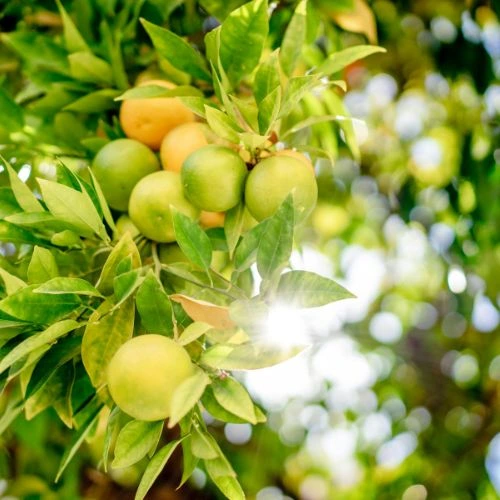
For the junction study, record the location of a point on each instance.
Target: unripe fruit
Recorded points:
(180, 142)
(270, 182)
(144, 374)
(292, 153)
(124, 225)
(118, 167)
(150, 203)
(213, 178)
(148, 120)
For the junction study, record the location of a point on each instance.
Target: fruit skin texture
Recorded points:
(150, 202)
(149, 120)
(270, 182)
(125, 225)
(297, 155)
(144, 374)
(118, 167)
(213, 178)
(180, 142)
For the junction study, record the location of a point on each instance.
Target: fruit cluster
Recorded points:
(202, 175)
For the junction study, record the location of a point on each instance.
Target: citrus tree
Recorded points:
(157, 169)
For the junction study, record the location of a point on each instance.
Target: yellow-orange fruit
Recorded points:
(211, 219)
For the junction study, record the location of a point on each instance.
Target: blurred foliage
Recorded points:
(401, 396)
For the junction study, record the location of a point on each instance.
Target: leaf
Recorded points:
(12, 234)
(14, 408)
(339, 60)
(42, 221)
(66, 239)
(306, 289)
(73, 207)
(42, 266)
(246, 251)
(269, 109)
(24, 197)
(73, 40)
(105, 333)
(294, 39)
(276, 244)
(125, 284)
(245, 27)
(200, 310)
(220, 9)
(187, 395)
(12, 283)
(221, 124)
(12, 113)
(248, 356)
(193, 241)
(87, 67)
(193, 331)
(77, 441)
(177, 51)
(233, 225)
(111, 430)
(77, 286)
(251, 315)
(359, 20)
(27, 305)
(124, 248)
(94, 102)
(216, 410)
(154, 468)
(229, 486)
(102, 200)
(189, 461)
(267, 77)
(203, 444)
(151, 91)
(134, 442)
(37, 340)
(232, 396)
(297, 88)
(62, 405)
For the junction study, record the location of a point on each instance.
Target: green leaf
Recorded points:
(233, 225)
(42, 221)
(294, 39)
(77, 286)
(12, 113)
(102, 201)
(74, 207)
(14, 408)
(94, 102)
(73, 40)
(124, 247)
(297, 88)
(105, 333)
(203, 445)
(219, 9)
(217, 411)
(246, 251)
(276, 244)
(151, 91)
(248, 356)
(222, 124)
(112, 428)
(42, 266)
(78, 440)
(12, 234)
(177, 51)
(193, 241)
(193, 331)
(63, 351)
(62, 405)
(189, 460)
(232, 396)
(267, 77)
(228, 485)
(87, 67)
(134, 442)
(154, 306)
(306, 289)
(269, 109)
(24, 197)
(154, 468)
(187, 395)
(340, 60)
(66, 239)
(37, 308)
(12, 283)
(37, 340)
(125, 284)
(247, 28)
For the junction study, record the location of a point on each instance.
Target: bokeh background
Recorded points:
(400, 395)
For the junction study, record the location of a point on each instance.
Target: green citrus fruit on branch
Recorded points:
(148, 120)
(213, 178)
(272, 179)
(119, 165)
(150, 203)
(144, 374)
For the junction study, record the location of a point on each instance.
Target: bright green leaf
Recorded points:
(232, 396)
(42, 266)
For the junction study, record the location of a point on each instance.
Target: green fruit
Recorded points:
(144, 374)
(151, 201)
(270, 182)
(119, 166)
(124, 225)
(213, 178)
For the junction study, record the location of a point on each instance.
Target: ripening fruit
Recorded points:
(211, 219)
(270, 182)
(149, 120)
(213, 178)
(150, 203)
(118, 167)
(144, 374)
(180, 142)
